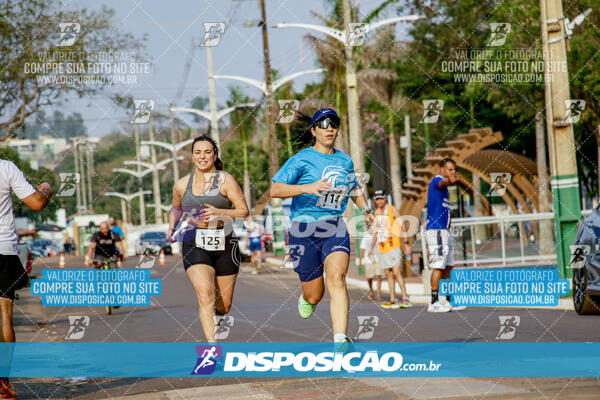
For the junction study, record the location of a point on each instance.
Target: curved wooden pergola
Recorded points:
(468, 150)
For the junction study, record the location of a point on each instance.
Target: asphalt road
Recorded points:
(265, 310)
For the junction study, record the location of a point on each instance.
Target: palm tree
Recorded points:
(243, 121)
(378, 82)
(330, 54)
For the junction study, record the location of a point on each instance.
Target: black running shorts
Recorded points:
(225, 262)
(11, 275)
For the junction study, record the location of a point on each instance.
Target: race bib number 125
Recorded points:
(210, 239)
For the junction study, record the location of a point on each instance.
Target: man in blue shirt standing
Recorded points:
(440, 244)
(113, 227)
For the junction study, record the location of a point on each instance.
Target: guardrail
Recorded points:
(476, 257)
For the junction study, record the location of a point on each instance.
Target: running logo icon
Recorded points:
(431, 111)
(293, 257)
(147, 260)
(69, 33)
(210, 188)
(498, 33)
(207, 359)
(68, 184)
(223, 325)
(573, 110)
(362, 179)
(508, 327)
(143, 108)
(212, 33)
(366, 326)
(357, 33)
(77, 326)
(499, 182)
(457, 231)
(579, 252)
(186, 222)
(287, 111)
(438, 254)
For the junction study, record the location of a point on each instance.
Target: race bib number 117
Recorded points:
(332, 199)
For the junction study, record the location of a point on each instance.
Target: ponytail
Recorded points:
(301, 136)
(219, 164)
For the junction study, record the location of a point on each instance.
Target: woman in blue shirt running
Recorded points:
(320, 179)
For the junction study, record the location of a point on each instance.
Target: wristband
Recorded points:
(366, 208)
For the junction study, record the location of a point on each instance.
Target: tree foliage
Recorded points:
(35, 177)
(29, 33)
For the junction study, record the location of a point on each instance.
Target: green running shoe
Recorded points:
(305, 308)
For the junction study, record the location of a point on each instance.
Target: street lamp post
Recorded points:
(276, 84)
(138, 175)
(164, 208)
(213, 117)
(155, 180)
(155, 167)
(262, 86)
(563, 157)
(174, 148)
(76, 163)
(126, 198)
(160, 165)
(351, 89)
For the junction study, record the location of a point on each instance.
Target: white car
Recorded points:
(240, 232)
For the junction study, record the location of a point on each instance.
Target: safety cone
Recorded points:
(51, 252)
(161, 258)
(61, 262)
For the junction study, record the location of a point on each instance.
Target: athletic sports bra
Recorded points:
(212, 196)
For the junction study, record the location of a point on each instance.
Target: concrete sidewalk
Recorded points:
(347, 388)
(418, 291)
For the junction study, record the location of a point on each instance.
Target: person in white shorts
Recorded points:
(370, 262)
(440, 243)
(388, 242)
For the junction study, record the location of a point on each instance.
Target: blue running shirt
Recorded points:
(309, 166)
(438, 205)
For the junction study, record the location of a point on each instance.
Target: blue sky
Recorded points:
(170, 27)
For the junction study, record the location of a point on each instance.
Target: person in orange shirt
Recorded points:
(390, 257)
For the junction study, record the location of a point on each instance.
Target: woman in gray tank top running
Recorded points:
(201, 220)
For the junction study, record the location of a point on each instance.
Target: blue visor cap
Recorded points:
(324, 113)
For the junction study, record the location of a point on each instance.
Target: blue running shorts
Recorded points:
(255, 244)
(311, 242)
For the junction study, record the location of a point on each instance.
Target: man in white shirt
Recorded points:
(255, 234)
(370, 262)
(12, 181)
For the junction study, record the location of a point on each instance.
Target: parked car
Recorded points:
(240, 232)
(153, 242)
(42, 247)
(586, 279)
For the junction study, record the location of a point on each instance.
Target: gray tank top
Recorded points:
(212, 196)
